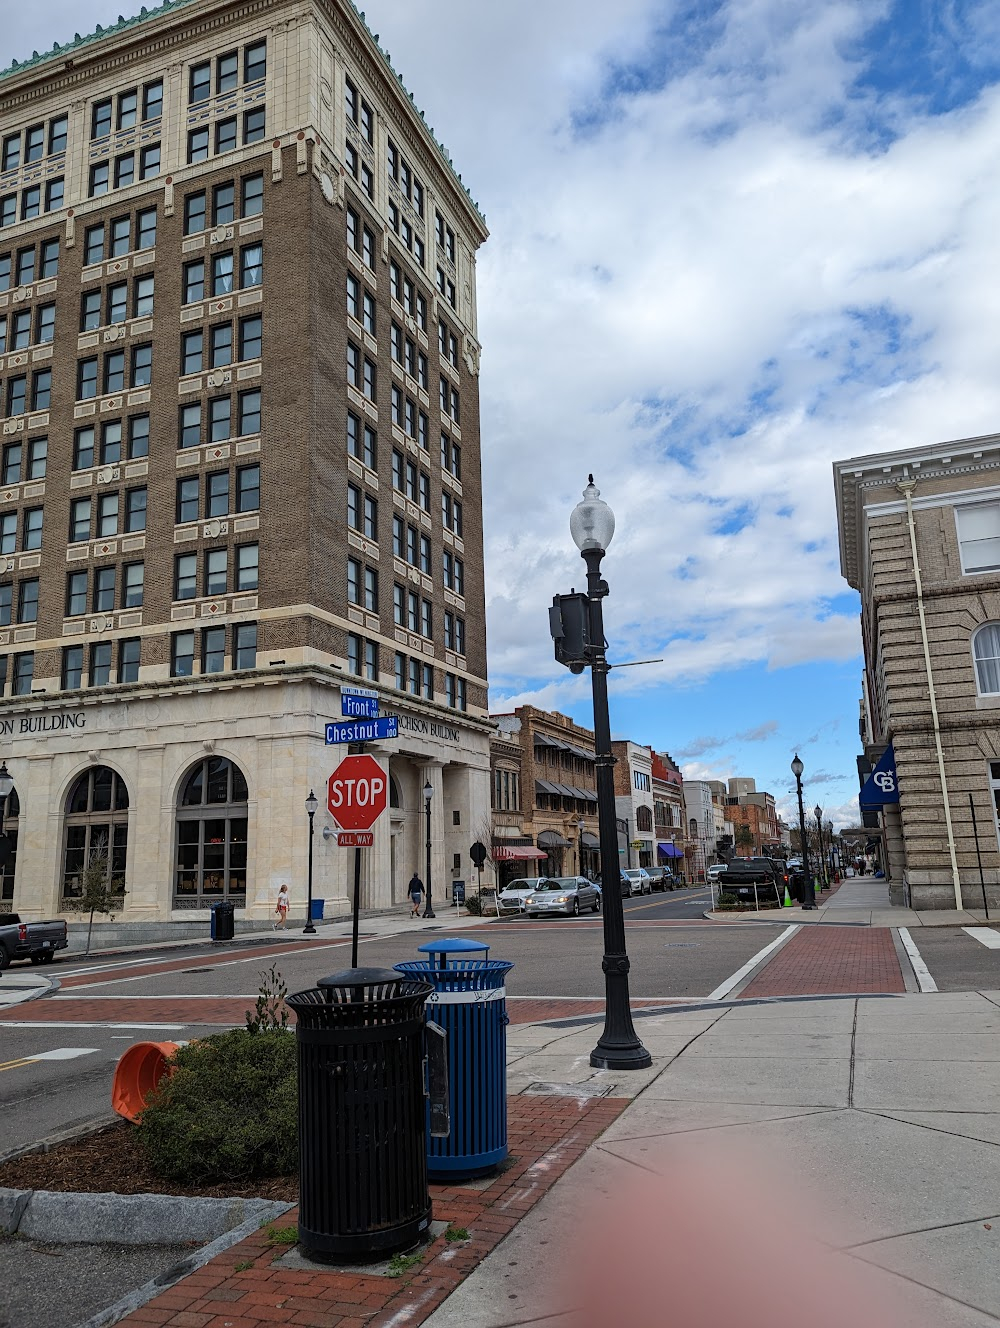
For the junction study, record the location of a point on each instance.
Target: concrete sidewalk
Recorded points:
(887, 1111)
(864, 901)
(881, 1113)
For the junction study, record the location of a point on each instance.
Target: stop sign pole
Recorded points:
(357, 795)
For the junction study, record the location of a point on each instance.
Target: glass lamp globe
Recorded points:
(312, 802)
(797, 767)
(592, 522)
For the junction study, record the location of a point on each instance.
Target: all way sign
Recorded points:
(355, 838)
(363, 730)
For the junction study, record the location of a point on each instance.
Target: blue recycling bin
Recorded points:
(317, 910)
(469, 1001)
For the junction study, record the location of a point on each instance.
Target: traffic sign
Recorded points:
(363, 730)
(355, 839)
(359, 707)
(357, 794)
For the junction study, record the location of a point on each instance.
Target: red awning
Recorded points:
(505, 854)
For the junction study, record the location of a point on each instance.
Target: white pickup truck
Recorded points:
(37, 941)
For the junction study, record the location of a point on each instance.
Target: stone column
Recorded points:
(895, 855)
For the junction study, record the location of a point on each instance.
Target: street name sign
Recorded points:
(355, 838)
(363, 730)
(358, 703)
(357, 794)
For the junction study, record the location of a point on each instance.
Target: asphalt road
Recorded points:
(674, 954)
(956, 960)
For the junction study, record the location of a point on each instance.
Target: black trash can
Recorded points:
(362, 1158)
(223, 920)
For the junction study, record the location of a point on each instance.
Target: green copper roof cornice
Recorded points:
(445, 154)
(165, 7)
(123, 25)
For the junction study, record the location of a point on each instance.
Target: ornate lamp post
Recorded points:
(428, 794)
(808, 887)
(592, 524)
(312, 802)
(821, 860)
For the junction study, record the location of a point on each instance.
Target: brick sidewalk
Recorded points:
(546, 1134)
(823, 961)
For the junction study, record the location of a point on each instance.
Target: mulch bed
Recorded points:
(112, 1162)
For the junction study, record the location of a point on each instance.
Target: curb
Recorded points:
(63, 1218)
(72, 1132)
(142, 1295)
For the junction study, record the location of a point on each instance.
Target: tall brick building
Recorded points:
(240, 426)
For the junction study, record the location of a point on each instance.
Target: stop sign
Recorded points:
(357, 793)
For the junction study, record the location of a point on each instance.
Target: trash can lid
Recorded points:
(360, 977)
(448, 943)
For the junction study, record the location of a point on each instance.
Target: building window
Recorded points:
(72, 668)
(979, 537)
(152, 100)
(247, 567)
(213, 649)
(129, 655)
(198, 143)
(185, 576)
(255, 62)
(248, 489)
(986, 652)
(190, 426)
(104, 590)
(27, 601)
(226, 134)
(107, 515)
(76, 594)
(100, 664)
(182, 654)
(195, 215)
(146, 229)
(253, 125)
(24, 672)
(245, 646)
(253, 195)
(216, 583)
(132, 585)
(212, 835)
(96, 830)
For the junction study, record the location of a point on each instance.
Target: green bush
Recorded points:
(229, 1111)
(473, 905)
(727, 900)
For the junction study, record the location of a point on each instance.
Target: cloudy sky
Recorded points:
(732, 241)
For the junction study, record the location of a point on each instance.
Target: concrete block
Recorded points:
(12, 1206)
(134, 1219)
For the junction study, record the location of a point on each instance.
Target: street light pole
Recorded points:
(428, 794)
(592, 524)
(579, 849)
(808, 886)
(312, 802)
(821, 863)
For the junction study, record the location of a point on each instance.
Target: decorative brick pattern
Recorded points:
(822, 961)
(546, 1134)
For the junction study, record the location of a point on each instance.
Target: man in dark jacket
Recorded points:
(416, 892)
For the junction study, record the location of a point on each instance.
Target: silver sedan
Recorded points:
(569, 895)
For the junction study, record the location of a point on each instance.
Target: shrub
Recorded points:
(728, 900)
(473, 905)
(229, 1111)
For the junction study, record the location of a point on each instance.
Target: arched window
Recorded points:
(212, 835)
(96, 830)
(986, 650)
(394, 793)
(11, 813)
(643, 819)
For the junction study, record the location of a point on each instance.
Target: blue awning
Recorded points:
(670, 850)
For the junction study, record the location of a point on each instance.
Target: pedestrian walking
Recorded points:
(281, 908)
(416, 892)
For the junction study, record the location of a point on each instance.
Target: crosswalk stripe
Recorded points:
(985, 936)
(57, 1054)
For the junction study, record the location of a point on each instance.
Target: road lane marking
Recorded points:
(985, 936)
(726, 987)
(209, 965)
(72, 1023)
(923, 975)
(159, 996)
(58, 1054)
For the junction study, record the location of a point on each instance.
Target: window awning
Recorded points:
(548, 787)
(590, 841)
(510, 852)
(551, 839)
(671, 850)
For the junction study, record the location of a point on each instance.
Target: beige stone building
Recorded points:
(920, 542)
(240, 459)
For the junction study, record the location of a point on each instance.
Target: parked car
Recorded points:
(716, 871)
(754, 879)
(660, 878)
(513, 896)
(635, 881)
(570, 895)
(37, 941)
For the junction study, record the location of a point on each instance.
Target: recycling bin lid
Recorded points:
(360, 977)
(452, 945)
